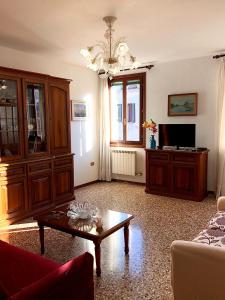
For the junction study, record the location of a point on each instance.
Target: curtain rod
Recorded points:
(218, 56)
(141, 67)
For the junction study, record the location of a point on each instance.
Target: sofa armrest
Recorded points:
(17, 268)
(73, 280)
(221, 203)
(198, 271)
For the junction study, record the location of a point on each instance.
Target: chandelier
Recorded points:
(111, 56)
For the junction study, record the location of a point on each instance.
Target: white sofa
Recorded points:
(198, 266)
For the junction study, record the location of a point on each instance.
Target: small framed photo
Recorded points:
(79, 110)
(183, 104)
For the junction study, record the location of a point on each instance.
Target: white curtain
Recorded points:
(221, 131)
(105, 160)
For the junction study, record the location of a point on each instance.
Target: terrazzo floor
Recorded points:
(145, 273)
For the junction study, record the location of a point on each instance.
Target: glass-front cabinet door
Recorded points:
(36, 125)
(10, 118)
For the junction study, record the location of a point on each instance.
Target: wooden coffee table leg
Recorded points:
(126, 238)
(98, 257)
(41, 234)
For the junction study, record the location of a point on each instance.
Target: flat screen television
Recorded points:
(179, 135)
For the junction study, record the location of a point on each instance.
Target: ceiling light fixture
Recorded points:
(110, 57)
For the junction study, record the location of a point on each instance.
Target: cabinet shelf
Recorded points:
(8, 104)
(16, 130)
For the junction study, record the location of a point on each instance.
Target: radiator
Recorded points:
(123, 162)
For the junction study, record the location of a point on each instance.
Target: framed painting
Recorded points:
(79, 110)
(183, 104)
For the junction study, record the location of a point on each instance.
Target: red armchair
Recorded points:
(28, 276)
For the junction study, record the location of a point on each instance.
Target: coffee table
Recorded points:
(112, 221)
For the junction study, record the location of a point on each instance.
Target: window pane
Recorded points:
(117, 111)
(9, 135)
(36, 118)
(133, 110)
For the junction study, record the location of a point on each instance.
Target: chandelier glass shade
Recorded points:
(111, 56)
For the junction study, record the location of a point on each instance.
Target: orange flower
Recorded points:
(151, 125)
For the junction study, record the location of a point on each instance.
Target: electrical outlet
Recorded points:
(92, 163)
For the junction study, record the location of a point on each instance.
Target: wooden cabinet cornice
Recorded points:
(179, 174)
(36, 163)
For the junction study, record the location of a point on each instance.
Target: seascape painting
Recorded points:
(182, 104)
(79, 110)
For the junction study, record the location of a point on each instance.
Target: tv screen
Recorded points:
(180, 135)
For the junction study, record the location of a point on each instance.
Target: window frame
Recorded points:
(124, 79)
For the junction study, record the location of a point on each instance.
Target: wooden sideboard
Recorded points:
(36, 163)
(179, 174)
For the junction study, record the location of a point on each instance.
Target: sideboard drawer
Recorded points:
(184, 157)
(63, 161)
(12, 171)
(40, 166)
(158, 156)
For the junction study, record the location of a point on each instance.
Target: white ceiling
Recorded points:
(156, 30)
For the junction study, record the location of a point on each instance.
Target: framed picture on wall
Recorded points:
(183, 104)
(79, 110)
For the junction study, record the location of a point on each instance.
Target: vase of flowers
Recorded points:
(151, 125)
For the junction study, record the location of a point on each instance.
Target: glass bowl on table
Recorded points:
(81, 210)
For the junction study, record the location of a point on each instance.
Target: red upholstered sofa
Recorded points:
(28, 276)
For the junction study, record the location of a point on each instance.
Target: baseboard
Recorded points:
(86, 184)
(127, 181)
(117, 180)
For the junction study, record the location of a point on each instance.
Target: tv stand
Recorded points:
(180, 174)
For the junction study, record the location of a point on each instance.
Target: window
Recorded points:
(127, 108)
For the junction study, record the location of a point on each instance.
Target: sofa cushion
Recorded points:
(218, 221)
(212, 237)
(19, 268)
(73, 280)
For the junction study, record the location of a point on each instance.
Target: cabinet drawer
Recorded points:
(159, 156)
(184, 157)
(12, 171)
(39, 166)
(64, 161)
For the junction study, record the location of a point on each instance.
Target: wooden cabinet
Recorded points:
(13, 197)
(60, 125)
(63, 179)
(158, 171)
(184, 180)
(40, 184)
(36, 169)
(180, 174)
(40, 191)
(158, 175)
